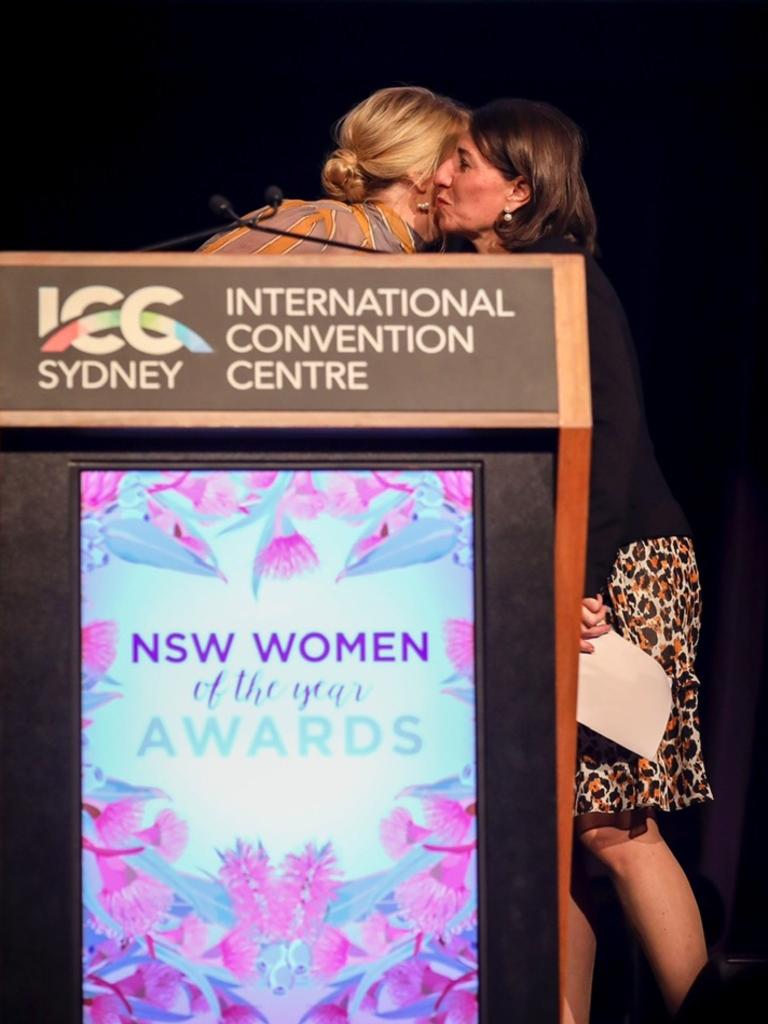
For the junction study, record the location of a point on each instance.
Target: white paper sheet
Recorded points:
(624, 694)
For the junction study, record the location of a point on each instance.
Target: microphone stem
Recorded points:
(253, 225)
(196, 236)
(258, 226)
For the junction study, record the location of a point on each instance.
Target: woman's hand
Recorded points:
(593, 622)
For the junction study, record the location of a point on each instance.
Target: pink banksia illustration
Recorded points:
(98, 489)
(410, 981)
(457, 487)
(328, 1015)
(450, 820)
(330, 952)
(303, 499)
(260, 480)
(430, 899)
(99, 646)
(117, 823)
(162, 984)
(399, 831)
(240, 1015)
(137, 902)
(212, 495)
(378, 934)
(110, 1010)
(247, 875)
(460, 644)
(168, 834)
(239, 951)
(307, 884)
(286, 556)
(461, 1008)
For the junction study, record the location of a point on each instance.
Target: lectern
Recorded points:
(292, 554)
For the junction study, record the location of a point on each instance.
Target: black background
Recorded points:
(120, 119)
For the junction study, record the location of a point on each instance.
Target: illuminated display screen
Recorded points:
(278, 767)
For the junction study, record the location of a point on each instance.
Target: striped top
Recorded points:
(370, 225)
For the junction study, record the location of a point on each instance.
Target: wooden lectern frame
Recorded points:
(570, 425)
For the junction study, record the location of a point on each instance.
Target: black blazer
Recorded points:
(629, 499)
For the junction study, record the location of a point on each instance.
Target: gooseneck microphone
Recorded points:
(222, 207)
(273, 197)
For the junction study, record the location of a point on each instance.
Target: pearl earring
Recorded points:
(424, 207)
(507, 214)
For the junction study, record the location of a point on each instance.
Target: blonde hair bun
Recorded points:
(395, 133)
(343, 178)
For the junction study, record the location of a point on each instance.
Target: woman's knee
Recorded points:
(616, 848)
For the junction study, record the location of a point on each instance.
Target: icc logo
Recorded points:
(73, 326)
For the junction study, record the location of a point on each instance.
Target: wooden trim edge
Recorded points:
(572, 505)
(278, 420)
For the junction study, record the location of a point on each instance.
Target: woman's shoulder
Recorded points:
(316, 220)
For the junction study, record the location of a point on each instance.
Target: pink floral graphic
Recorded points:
(99, 646)
(432, 898)
(166, 941)
(399, 831)
(331, 952)
(247, 875)
(457, 487)
(169, 834)
(239, 951)
(460, 645)
(137, 902)
(287, 556)
(307, 884)
(98, 489)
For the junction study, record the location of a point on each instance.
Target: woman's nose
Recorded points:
(443, 175)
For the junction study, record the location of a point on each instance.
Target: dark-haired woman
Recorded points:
(515, 184)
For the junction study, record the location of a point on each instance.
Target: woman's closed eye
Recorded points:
(462, 159)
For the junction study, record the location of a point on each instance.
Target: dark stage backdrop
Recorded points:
(120, 119)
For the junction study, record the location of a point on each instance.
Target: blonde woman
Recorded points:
(378, 181)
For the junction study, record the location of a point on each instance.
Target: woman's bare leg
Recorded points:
(581, 966)
(581, 946)
(658, 902)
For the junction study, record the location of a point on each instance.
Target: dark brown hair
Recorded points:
(538, 142)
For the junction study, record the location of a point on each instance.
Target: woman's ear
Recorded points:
(518, 192)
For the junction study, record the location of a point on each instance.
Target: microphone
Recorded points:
(222, 207)
(273, 197)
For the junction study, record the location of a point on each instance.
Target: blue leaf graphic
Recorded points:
(266, 505)
(91, 701)
(116, 789)
(191, 531)
(190, 971)
(143, 543)
(424, 540)
(465, 695)
(420, 1009)
(451, 787)
(207, 898)
(363, 900)
(150, 1012)
(396, 956)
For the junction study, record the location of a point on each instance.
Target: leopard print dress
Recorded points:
(654, 597)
